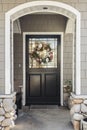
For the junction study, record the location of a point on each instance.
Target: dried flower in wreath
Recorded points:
(42, 53)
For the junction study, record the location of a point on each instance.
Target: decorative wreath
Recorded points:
(42, 53)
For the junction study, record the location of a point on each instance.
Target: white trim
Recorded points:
(78, 62)
(73, 62)
(12, 60)
(8, 96)
(24, 70)
(35, 5)
(61, 71)
(7, 55)
(78, 96)
(24, 62)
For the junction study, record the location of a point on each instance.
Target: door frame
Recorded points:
(24, 63)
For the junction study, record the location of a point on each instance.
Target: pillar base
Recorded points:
(78, 108)
(7, 111)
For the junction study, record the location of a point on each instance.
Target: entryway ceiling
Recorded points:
(67, 22)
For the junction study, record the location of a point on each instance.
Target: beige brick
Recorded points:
(2, 24)
(86, 57)
(85, 22)
(86, 74)
(16, 4)
(5, 7)
(81, 6)
(10, 6)
(82, 24)
(83, 32)
(2, 82)
(2, 91)
(68, 43)
(83, 74)
(83, 65)
(8, 1)
(84, 90)
(67, 66)
(84, 49)
(68, 77)
(2, 40)
(0, 7)
(67, 60)
(67, 71)
(2, 57)
(72, 1)
(2, 16)
(2, 32)
(68, 49)
(2, 49)
(83, 57)
(84, 82)
(67, 55)
(2, 74)
(84, 15)
(83, 1)
(84, 40)
(2, 66)
(20, 1)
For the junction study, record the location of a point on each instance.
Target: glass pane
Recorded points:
(42, 52)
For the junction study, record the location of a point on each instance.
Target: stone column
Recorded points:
(78, 109)
(7, 111)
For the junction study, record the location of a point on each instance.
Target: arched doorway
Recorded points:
(30, 8)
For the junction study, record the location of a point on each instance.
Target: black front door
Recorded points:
(42, 69)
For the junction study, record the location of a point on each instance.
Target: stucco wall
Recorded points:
(81, 5)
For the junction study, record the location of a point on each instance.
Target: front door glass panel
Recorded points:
(42, 52)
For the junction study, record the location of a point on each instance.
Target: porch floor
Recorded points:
(44, 118)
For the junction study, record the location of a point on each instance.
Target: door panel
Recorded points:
(50, 85)
(35, 85)
(42, 72)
